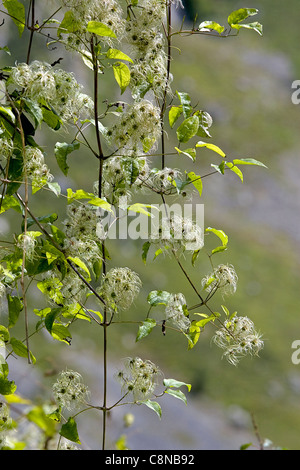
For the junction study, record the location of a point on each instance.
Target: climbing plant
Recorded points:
(71, 260)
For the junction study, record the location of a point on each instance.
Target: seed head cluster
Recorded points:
(36, 169)
(81, 230)
(238, 338)
(178, 233)
(146, 41)
(45, 85)
(139, 378)
(5, 423)
(223, 278)
(120, 287)
(176, 312)
(137, 129)
(69, 391)
(107, 12)
(122, 174)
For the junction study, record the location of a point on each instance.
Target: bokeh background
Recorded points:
(245, 83)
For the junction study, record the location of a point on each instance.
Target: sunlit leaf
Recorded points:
(174, 114)
(116, 54)
(17, 12)
(122, 75)
(211, 25)
(247, 161)
(213, 147)
(100, 29)
(188, 129)
(145, 328)
(81, 265)
(196, 181)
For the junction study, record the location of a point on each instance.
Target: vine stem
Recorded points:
(32, 29)
(100, 176)
(164, 103)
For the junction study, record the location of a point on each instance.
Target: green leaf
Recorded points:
(79, 194)
(51, 118)
(185, 101)
(176, 384)
(206, 319)
(188, 129)
(81, 264)
(257, 27)
(146, 328)
(61, 151)
(7, 387)
(195, 256)
(15, 174)
(213, 147)
(121, 443)
(61, 333)
(44, 219)
(122, 75)
(17, 12)
(206, 25)
(153, 405)
(69, 431)
(193, 334)
(235, 170)
(100, 29)
(10, 202)
(174, 114)
(140, 208)
(34, 110)
(50, 318)
(55, 188)
(97, 313)
(15, 305)
(69, 24)
(20, 349)
(38, 416)
(220, 168)
(205, 122)
(51, 290)
(236, 17)
(98, 202)
(225, 310)
(158, 297)
(240, 15)
(6, 49)
(247, 161)
(191, 152)
(177, 394)
(4, 334)
(145, 250)
(116, 54)
(245, 446)
(58, 235)
(219, 233)
(196, 181)
(160, 251)
(55, 415)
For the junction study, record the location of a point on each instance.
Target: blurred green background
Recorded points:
(245, 83)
